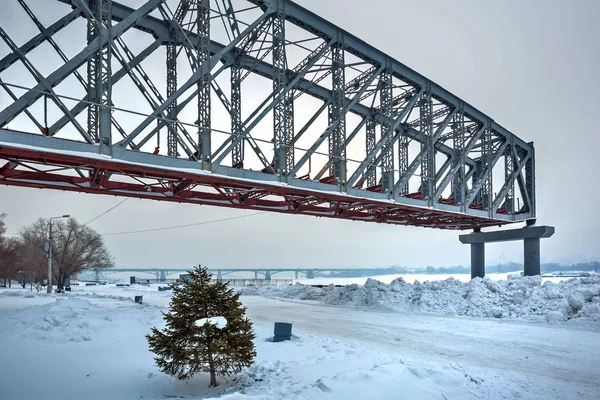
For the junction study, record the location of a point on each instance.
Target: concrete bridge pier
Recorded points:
(255, 275)
(530, 235)
(310, 274)
(219, 275)
(268, 275)
(531, 255)
(163, 276)
(296, 274)
(477, 260)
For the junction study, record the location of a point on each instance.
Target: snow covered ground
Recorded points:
(405, 341)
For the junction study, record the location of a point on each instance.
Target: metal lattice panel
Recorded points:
(271, 59)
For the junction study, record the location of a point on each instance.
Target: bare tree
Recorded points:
(10, 254)
(2, 227)
(75, 248)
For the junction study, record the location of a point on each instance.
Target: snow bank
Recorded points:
(516, 298)
(65, 320)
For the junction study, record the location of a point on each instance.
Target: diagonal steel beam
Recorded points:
(384, 139)
(334, 124)
(130, 67)
(38, 39)
(309, 123)
(198, 74)
(34, 94)
(523, 183)
(27, 112)
(470, 145)
(440, 172)
(507, 184)
(419, 158)
(245, 44)
(48, 37)
(291, 85)
(323, 28)
(45, 84)
(160, 29)
(346, 143)
(484, 175)
(81, 106)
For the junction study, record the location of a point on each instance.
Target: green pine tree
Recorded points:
(183, 349)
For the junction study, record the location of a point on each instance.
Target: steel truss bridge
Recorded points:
(267, 273)
(251, 104)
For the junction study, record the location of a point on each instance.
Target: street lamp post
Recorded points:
(49, 249)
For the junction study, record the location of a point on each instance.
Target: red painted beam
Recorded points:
(177, 186)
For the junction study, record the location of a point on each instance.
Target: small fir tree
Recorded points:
(183, 349)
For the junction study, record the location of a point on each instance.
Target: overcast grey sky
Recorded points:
(531, 65)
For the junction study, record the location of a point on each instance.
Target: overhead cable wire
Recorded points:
(107, 211)
(181, 226)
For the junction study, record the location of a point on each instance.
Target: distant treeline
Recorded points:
(508, 267)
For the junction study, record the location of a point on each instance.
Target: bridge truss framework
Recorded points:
(260, 104)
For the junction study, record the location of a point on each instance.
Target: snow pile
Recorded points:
(516, 298)
(65, 320)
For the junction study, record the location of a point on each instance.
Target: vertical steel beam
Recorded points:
(427, 146)
(370, 145)
(172, 49)
(530, 180)
(475, 178)
(99, 71)
(76, 61)
(204, 112)
(283, 112)
(337, 139)
(237, 153)
(403, 162)
(93, 70)
(487, 160)
(386, 122)
(105, 75)
(172, 108)
(459, 189)
(509, 169)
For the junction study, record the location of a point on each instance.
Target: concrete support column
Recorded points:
(219, 275)
(477, 260)
(255, 275)
(296, 273)
(310, 274)
(268, 275)
(531, 252)
(530, 235)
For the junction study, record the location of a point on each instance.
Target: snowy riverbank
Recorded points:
(349, 343)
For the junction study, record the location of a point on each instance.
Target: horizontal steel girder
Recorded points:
(143, 175)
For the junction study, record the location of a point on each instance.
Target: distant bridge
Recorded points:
(309, 273)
